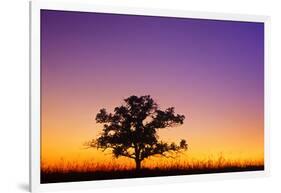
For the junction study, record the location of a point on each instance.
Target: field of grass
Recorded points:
(87, 171)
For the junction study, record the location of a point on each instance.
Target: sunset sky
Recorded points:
(210, 71)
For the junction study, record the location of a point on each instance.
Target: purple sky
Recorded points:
(131, 47)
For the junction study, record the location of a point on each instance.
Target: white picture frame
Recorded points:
(36, 6)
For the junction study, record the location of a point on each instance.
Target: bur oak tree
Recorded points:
(131, 131)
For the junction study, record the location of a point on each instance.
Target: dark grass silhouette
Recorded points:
(74, 174)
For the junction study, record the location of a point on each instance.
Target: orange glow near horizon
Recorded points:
(63, 138)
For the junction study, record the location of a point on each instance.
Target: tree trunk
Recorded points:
(137, 159)
(138, 165)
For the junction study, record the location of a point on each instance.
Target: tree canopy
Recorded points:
(131, 131)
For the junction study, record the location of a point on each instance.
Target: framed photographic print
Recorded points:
(123, 95)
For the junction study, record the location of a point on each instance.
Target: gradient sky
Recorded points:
(210, 71)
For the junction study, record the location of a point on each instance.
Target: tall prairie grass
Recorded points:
(70, 171)
(163, 164)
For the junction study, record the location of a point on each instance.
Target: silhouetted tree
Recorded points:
(131, 130)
